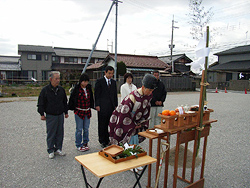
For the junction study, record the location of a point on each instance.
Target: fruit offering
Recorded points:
(172, 113)
(168, 113)
(165, 112)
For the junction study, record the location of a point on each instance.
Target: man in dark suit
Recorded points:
(105, 103)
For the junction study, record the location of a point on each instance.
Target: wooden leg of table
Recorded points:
(203, 157)
(167, 162)
(194, 157)
(197, 184)
(176, 159)
(184, 161)
(149, 166)
(158, 156)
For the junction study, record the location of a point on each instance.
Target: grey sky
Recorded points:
(144, 26)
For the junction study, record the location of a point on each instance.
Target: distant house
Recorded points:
(10, 67)
(138, 65)
(180, 64)
(230, 64)
(38, 61)
(71, 61)
(233, 64)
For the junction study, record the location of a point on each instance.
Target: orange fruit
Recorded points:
(165, 112)
(172, 113)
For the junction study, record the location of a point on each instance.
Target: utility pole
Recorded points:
(116, 20)
(94, 46)
(116, 16)
(171, 46)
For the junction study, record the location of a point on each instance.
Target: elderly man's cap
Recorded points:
(149, 81)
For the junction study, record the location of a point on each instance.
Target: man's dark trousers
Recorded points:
(55, 132)
(103, 122)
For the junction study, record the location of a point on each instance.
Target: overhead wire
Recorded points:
(217, 17)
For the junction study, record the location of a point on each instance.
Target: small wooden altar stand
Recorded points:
(186, 131)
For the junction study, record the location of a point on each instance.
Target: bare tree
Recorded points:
(199, 18)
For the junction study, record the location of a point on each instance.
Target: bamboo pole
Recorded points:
(203, 96)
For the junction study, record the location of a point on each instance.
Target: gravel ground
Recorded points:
(24, 160)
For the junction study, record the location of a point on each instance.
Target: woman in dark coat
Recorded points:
(81, 101)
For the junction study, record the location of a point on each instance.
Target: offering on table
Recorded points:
(121, 153)
(172, 113)
(168, 113)
(165, 112)
(180, 110)
(196, 108)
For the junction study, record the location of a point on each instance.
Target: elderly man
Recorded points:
(52, 101)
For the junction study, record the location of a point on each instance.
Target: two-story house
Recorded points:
(38, 61)
(180, 64)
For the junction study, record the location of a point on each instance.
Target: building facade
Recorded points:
(232, 69)
(38, 61)
(138, 65)
(10, 68)
(180, 62)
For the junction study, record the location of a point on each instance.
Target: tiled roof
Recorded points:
(96, 65)
(66, 52)
(232, 66)
(10, 67)
(6, 59)
(73, 52)
(10, 63)
(236, 50)
(167, 59)
(35, 48)
(139, 61)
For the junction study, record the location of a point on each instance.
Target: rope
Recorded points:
(199, 128)
(204, 84)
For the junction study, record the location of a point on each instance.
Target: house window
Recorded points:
(228, 76)
(3, 75)
(46, 57)
(34, 57)
(28, 74)
(55, 59)
(84, 60)
(45, 75)
(71, 60)
(32, 74)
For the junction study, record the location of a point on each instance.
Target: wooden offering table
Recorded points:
(102, 167)
(185, 132)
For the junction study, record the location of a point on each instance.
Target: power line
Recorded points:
(236, 10)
